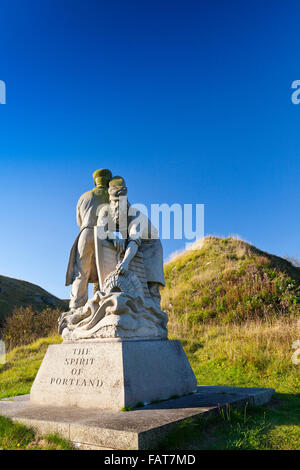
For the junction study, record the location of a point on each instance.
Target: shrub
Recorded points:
(26, 325)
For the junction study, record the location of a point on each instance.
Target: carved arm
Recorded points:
(131, 251)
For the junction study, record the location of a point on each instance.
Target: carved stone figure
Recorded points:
(82, 267)
(141, 237)
(130, 271)
(115, 351)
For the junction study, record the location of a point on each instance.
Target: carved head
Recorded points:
(102, 177)
(118, 203)
(117, 188)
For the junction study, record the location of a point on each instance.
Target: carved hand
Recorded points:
(119, 244)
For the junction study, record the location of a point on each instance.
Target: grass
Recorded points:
(16, 378)
(16, 436)
(22, 364)
(256, 354)
(236, 310)
(271, 427)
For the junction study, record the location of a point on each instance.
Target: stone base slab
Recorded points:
(112, 374)
(142, 428)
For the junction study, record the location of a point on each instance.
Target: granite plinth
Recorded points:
(142, 428)
(107, 374)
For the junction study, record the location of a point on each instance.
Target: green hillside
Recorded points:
(226, 279)
(16, 293)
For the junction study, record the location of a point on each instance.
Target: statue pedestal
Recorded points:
(112, 374)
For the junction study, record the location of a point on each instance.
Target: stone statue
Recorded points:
(130, 271)
(82, 267)
(115, 351)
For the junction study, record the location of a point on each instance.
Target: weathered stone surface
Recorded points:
(116, 315)
(82, 267)
(142, 428)
(129, 270)
(112, 374)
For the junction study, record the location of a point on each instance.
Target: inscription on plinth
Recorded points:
(85, 376)
(111, 375)
(78, 365)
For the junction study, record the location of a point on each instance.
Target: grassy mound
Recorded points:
(228, 280)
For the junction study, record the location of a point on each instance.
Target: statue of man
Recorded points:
(138, 234)
(82, 266)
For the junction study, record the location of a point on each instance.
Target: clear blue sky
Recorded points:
(188, 100)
